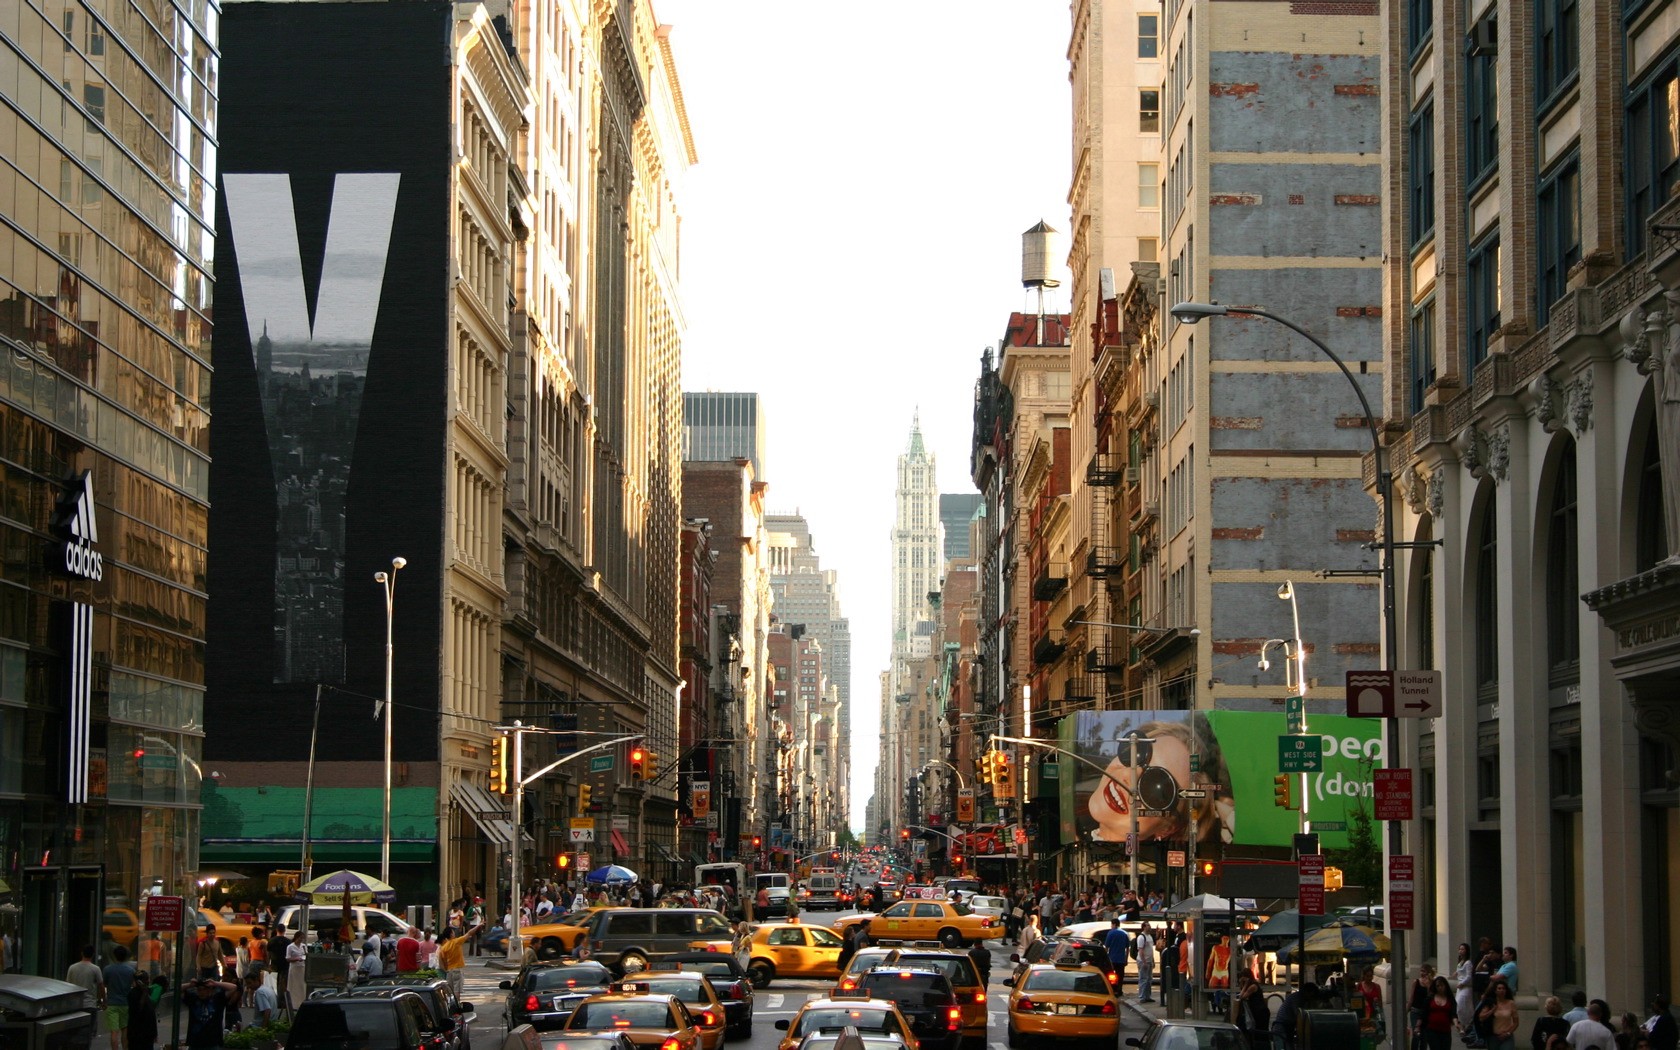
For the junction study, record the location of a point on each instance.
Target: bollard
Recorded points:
(1175, 1002)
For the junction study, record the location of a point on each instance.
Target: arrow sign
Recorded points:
(1300, 754)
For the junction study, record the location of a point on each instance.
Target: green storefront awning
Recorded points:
(264, 825)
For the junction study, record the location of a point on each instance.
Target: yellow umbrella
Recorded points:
(345, 887)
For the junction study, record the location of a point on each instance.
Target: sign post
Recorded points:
(166, 914)
(1312, 884)
(1401, 896)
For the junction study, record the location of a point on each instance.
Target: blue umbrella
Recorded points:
(611, 875)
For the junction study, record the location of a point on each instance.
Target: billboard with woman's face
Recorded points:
(1149, 757)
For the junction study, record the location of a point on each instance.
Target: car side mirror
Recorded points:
(782, 1025)
(1014, 957)
(505, 986)
(1133, 1040)
(467, 1008)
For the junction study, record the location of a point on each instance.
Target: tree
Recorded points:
(1362, 860)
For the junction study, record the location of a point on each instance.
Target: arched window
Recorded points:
(1563, 583)
(1487, 603)
(1650, 534)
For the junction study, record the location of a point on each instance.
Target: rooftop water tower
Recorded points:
(1038, 265)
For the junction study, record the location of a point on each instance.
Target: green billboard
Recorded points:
(1231, 757)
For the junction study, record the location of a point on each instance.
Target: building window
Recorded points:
(1148, 249)
(1149, 185)
(1559, 241)
(1481, 301)
(1557, 49)
(1487, 603)
(1650, 543)
(1563, 584)
(1149, 36)
(1420, 23)
(1420, 173)
(1420, 341)
(1481, 115)
(1426, 602)
(1149, 111)
(1653, 148)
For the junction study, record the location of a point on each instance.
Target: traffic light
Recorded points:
(1207, 869)
(499, 765)
(758, 840)
(651, 763)
(1283, 791)
(904, 833)
(563, 861)
(638, 764)
(584, 791)
(1332, 878)
(986, 767)
(1003, 776)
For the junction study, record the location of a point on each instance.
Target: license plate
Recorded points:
(1066, 1008)
(559, 1004)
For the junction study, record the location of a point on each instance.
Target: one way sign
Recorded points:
(1394, 694)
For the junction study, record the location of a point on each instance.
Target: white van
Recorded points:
(822, 891)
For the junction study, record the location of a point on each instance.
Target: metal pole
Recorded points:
(307, 861)
(516, 776)
(389, 582)
(1132, 807)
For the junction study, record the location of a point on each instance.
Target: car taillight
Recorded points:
(1113, 978)
(708, 1018)
(848, 984)
(953, 1019)
(1108, 1008)
(712, 948)
(1023, 1003)
(531, 1004)
(979, 997)
(670, 1044)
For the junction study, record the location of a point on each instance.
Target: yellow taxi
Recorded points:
(1062, 1002)
(835, 1013)
(951, 924)
(560, 936)
(651, 1022)
(791, 949)
(121, 926)
(695, 992)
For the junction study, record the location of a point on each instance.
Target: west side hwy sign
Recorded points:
(1394, 694)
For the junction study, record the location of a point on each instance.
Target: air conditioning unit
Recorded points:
(1152, 398)
(1131, 475)
(1484, 36)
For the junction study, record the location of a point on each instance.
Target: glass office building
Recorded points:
(721, 426)
(107, 197)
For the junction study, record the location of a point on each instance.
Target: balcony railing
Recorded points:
(1049, 581)
(1106, 658)
(1105, 469)
(1048, 647)
(1103, 562)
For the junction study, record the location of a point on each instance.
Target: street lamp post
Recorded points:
(388, 581)
(1193, 313)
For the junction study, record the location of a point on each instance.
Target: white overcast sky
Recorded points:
(851, 243)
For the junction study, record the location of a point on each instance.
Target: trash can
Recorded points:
(1330, 1030)
(39, 1013)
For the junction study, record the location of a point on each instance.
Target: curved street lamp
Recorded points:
(387, 581)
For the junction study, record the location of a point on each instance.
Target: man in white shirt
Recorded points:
(1144, 942)
(1594, 1033)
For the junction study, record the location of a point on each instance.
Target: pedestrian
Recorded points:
(1287, 1021)
(206, 1012)
(207, 955)
(452, 957)
(297, 986)
(1548, 1024)
(119, 981)
(1435, 1023)
(277, 945)
(1250, 1013)
(142, 1014)
(982, 959)
(1418, 1002)
(261, 999)
(1144, 950)
(408, 951)
(369, 965)
(1118, 943)
(1577, 1007)
(1030, 934)
(1507, 968)
(86, 974)
(1501, 1017)
(1171, 945)
(1464, 984)
(1370, 994)
(1661, 1026)
(242, 957)
(1593, 1032)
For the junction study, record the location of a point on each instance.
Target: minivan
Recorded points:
(823, 891)
(628, 939)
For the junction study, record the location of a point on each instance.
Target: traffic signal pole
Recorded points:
(515, 784)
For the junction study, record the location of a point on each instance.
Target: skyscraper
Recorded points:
(718, 426)
(956, 510)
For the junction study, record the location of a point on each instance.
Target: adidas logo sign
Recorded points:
(77, 520)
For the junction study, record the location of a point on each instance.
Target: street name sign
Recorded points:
(1312, 884)
(1193, 793)
(1392, 789)
(1295, 713)
(1401, 895)
(600, 763)
(164, 914)
(1394, 694)
(1302, 753)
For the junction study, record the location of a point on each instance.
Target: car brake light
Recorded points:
(953, 1018)
(848, 984)
(1023, 1003)
(670, 1044)
(1113, 978)
(979, 997)
(708, 1018)
(711, 947)
(531, 1004)
(1108, 1008)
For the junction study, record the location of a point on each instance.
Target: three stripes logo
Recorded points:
(76, 521)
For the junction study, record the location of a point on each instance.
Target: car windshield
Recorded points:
(960, 909)
(876, 1020)
(865, 960)
(583, 975)
(621, 1015)
(956, 968)
(905, 986)
(688, 989)
(1065, 981)
(345, 1024)
(573, 918)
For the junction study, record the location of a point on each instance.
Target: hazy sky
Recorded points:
(851, 243)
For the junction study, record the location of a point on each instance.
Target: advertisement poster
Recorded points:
(1232, 756)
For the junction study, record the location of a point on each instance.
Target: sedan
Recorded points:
(543, 996)
(729, 978)
(792, 949)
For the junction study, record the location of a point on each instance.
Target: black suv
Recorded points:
(390, 1019)
(440, 996)
(543, 996)
(925, 998)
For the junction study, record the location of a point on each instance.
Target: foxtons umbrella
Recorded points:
(1341, 940)
(345, 887)
(611, 875)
